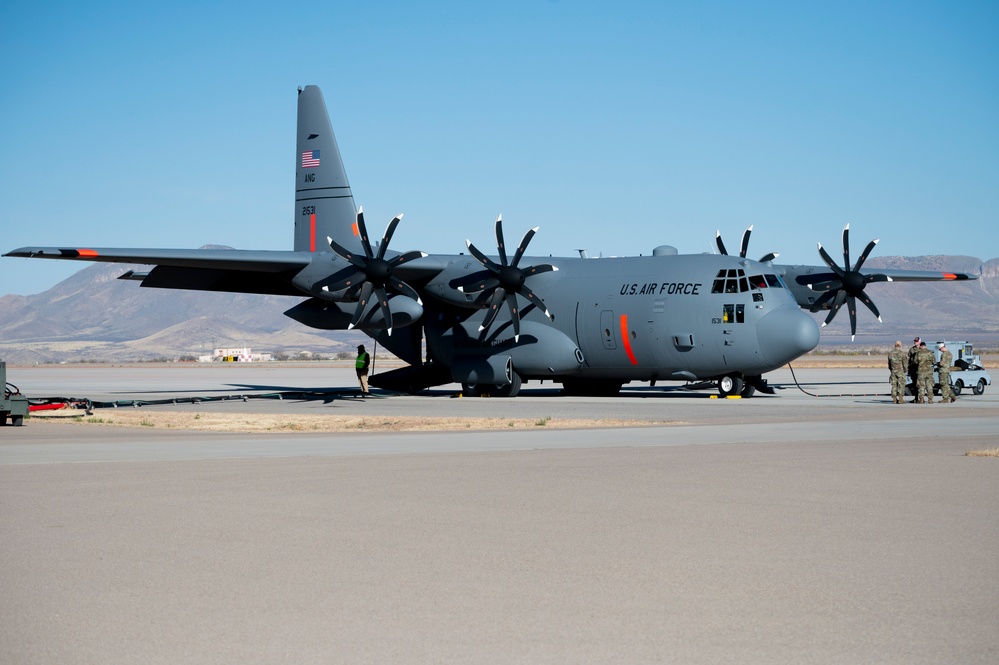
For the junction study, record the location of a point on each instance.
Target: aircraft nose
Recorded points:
(786, 334)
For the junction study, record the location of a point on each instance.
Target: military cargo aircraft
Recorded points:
(494, 321)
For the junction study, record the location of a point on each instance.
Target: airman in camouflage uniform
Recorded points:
(924, 381)
(897, 364)
(914, 368)
(946, 362)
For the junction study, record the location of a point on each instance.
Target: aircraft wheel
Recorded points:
(979, 387)
(511, 389)
(957, 387)
(748, 391)
(730, 385)
(470, 390)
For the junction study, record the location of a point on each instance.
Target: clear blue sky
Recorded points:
(614, 127)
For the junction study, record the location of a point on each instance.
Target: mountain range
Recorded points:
(95, 317)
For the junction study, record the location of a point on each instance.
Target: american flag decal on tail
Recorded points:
(310, 159)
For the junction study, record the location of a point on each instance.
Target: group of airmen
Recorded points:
(919, 365)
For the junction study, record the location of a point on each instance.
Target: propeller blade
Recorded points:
(539, 269)
(829, 262)
(827, 286)
(494, 301)
(511, 304)
(834, 308)
(745, 242)
(720, 244)
(852, 309)
(351, 280)
(362, 231)
(489, 282)
(483, 299)
(406, 258)
(536, 301)
(406, 290)
(846, 248)
(823, 299)
(389, 231)
(383, 303)
(766, 258)
(870, 305)
(866, 253)
(878, 277)
(523, 245)
(362, 303)
(351, 293)
(482, 258)
(344, 253)
(499, 239)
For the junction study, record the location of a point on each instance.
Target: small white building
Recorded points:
(239, 355)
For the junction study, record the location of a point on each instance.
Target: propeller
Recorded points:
(847, 284)
(373, 272)
(745, 246)
(505, 281)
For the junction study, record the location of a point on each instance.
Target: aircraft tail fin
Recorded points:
(324, 205)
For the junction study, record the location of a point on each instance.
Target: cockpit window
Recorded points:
(730, 281)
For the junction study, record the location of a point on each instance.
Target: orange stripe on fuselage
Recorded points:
(626, 340)
(312, 232)
(86, 252)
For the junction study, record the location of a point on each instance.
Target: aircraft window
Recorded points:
(732, 273)
(743, 284)
(718, 286)
(740, 313)
(757, 282)
(757, 296)
(773, 281)
(728, 314)
(731, 286)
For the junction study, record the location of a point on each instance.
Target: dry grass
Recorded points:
(985, 452)
(267, 422)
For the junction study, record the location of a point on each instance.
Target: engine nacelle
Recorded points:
(486, 370)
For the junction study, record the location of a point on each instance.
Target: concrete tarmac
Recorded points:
(791, 528)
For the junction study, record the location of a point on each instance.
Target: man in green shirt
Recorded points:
(361, 365)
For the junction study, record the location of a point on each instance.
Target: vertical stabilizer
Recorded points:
(324, 205)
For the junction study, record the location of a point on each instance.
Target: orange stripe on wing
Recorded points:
(86, 252)
(949, 276)
(354, 226)
(627, 340)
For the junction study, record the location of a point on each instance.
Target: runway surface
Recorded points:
(789, 528)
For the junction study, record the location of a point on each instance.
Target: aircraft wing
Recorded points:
(822, 279)
(818, 288)
(231, 270)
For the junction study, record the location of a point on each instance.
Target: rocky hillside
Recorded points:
(93, 315)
